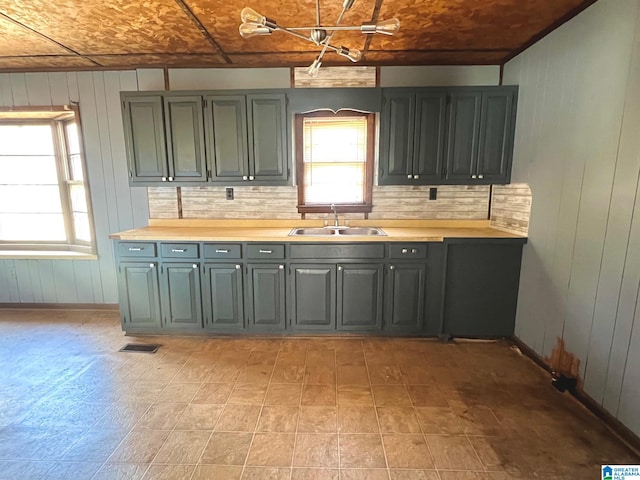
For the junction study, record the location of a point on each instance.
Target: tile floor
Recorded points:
(73, 407)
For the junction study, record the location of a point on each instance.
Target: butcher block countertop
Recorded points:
(188, 230)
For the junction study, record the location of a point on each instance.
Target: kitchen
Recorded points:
(559, 78)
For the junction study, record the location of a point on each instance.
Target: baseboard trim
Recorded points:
(616, 426)
(60, 306)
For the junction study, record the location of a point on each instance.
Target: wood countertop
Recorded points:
(185, 230)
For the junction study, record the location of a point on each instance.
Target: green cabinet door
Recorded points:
(396, 138)
(404, 297)
(496, 136)
(226, 120)
(185, 138)
(359, 303)
(139, 296)
(268, 151)
(313, 296)
(181, 308)
(145, 139)
(223, 297)
(429, 137)
(266, 296)
(463, 135)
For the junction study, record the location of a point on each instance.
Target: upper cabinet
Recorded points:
(224, 137)
(447, 136)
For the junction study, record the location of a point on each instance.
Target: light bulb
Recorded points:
(314, 68)
(249, 15)
(388, 27)
(248, 30)
(352, 54)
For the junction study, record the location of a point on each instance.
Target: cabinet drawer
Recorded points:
(222, 250)
(179, 250)
(265, 251)
(370, 250)
(409, 251)
(136, 249)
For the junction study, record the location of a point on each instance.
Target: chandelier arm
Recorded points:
(328, 39)
(332, 28)
(302, 37)
(318, 12)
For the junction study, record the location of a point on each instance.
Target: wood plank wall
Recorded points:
(577, 146)
(390, 202)
(511, 207)
(116, 207)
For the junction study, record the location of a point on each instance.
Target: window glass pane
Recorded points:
(26, 140)
(334, 159)
(81, 226)
(22, 170)
(78, 199)
(30, 199)
(32, 227)
(73, 141)
(75, 167)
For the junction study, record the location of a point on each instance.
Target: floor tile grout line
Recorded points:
(375, 409)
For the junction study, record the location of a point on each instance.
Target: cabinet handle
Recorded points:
(416, 177)
(409, 176)
(195, 265)
(222, 250)
(244, 177)
(473, 176)
(480, 176)
(413, 250)
(265, 251)
(404, 250)
(170, 179)
(135, 249)
(280, 267)
(392, 267)
(238, 267)
(178, 250)
(152, 265)
(250, 177)
(164, 179)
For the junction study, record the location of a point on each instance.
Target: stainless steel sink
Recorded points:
(338, 231)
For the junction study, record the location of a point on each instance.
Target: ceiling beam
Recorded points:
(196, 21)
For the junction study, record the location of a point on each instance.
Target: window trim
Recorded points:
(57, 117)
(364, 207)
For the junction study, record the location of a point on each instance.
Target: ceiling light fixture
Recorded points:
(255, 24)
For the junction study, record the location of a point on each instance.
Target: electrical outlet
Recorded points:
(229, 192)
(433, 193)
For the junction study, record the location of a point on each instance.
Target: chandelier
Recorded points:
(255, 24)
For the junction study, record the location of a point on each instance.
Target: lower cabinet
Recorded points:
(139, 295)
(313, 293)
(180, 294)
(359, 302)
(222, 296)
(405, 297)
(265, 299)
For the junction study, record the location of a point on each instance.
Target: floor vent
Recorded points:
(140, 347)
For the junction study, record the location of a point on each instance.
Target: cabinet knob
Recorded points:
(340, 267)
(280, 267)
(237, 267)
(195, 265)
(473, 176)
(392, 267)
(409, 176)
(244, 177)
(250, 177)
(416, 177)
(170, 179)
(414, 250)
(404, 250)
(152, 265)
(164, 179)
(480, 176)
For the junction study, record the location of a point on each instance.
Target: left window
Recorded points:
(44, 199)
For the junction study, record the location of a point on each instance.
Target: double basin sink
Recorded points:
(338, 231)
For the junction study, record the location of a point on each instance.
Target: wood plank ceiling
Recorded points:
(97, 34)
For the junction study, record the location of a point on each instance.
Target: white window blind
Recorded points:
(334, 159)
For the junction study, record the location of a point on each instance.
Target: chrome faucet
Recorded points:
(336, 222)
